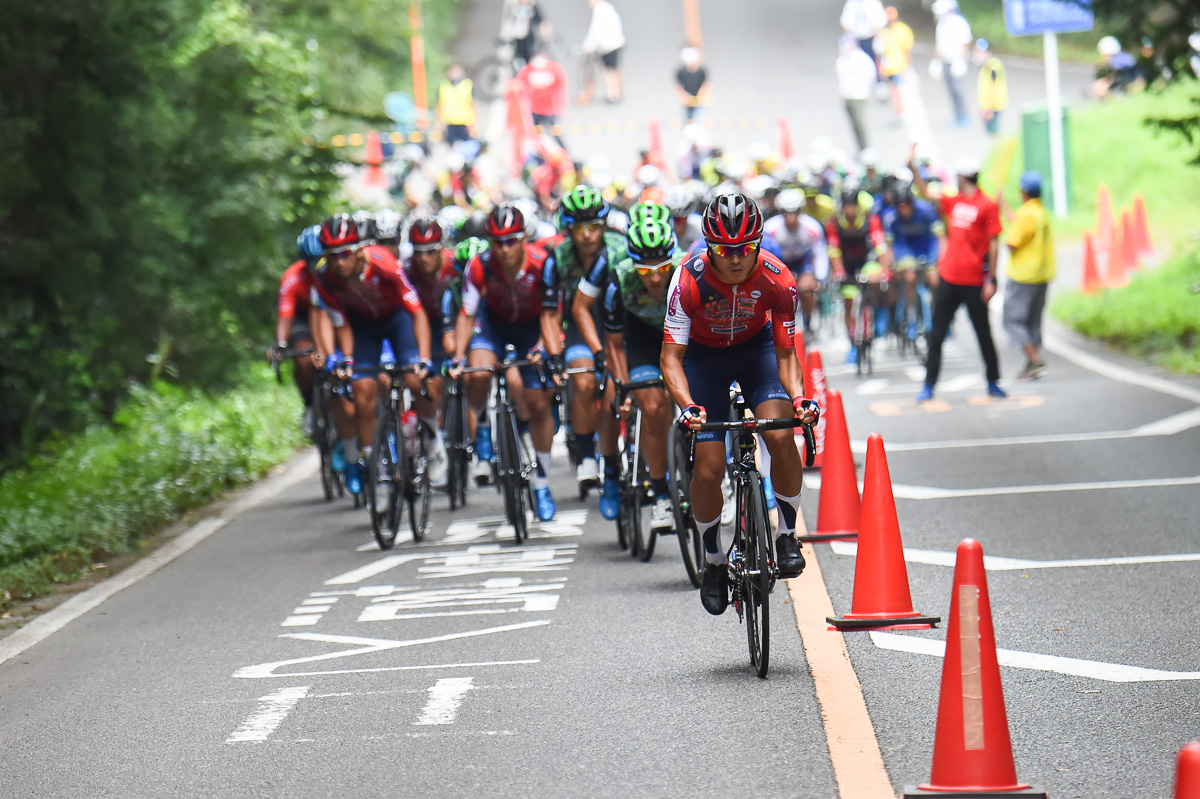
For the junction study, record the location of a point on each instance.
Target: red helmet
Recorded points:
(732, 219)
(339, 233)
(425, 234)
(505, 222)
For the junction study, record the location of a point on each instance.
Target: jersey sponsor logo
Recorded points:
(673, 304)
(756, 294)
(770, 267)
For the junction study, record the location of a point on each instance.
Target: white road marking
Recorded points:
(272, 710)
(532, 598)
(367, 646)
(490, 558)
(382, 669)
(1121, 374)
(371, 569)
(445, 698)
(901, 491)
(873, 386)
(932, 557)
(300, 621)
(49, 623)
(1093, 669)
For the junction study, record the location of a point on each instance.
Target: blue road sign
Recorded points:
(1030, 17)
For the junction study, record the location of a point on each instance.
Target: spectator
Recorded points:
(1030, 268)
(1120, 70)
(863, 20)
(966, 270)
(856, 77)
(545, 84)
(993, 87)
(605, 38)
(691, 83)
(951, 50)
(897, 41)
(522, 23)
(456, 107)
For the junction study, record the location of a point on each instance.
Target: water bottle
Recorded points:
(408, 421)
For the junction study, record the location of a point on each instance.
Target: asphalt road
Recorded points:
(284, 656)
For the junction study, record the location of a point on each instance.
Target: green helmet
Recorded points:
(581, 205)
(650, 240)
(648, 211)
(467, 250)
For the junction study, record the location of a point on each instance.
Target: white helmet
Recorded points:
(869, 157)
(790, 201)
(757, 186)
(679, 200)
(450, 217)
(454, 161)
(1108, 46)
(600, 180)
(413, 153)
(529, 209)
(941, 7)
(967, 167)
(759, 151)
(599, 162)
(818, 163)
(387, 224)
(648, 175)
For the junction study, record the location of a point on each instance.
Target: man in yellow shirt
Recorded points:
(897, 57)
(993, 87)
(456, 106)
(1030, 268)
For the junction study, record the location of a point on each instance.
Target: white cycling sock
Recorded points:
(789, 508)
(430, 427)
(714, 552)
(365, 453)
(350, 449)
(540, 480)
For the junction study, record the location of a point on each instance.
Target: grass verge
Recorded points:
(1157, 316)
(102, 492)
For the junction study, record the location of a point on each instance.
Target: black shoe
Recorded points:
(791, 562)
(714, 593)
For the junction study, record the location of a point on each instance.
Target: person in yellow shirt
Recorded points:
(456, 106)
(1031, 266)
(897, 57)
(993, 87)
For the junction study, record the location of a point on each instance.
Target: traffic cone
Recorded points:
(656, 147)
(972, 753)
(881, 596)
(1141, 226)
(839, 506)
(374, 158)
(814, 387)
(1115, 276)
(1129, 239)
(785, 138)
(1091, 275)
(1104, 219)
(1187, 772)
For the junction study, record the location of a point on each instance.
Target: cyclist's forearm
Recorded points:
(463, 328)
(618, 367)
(422, 333)
(671, 363)
(282, 328)
(790, 373)
(581, 310)
(551, 322)
(345, 340)
(322, 330)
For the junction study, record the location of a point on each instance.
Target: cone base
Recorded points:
(837, 535)
(913, 622)
(1021, 791)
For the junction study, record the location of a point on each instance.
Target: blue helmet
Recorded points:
(308, 243)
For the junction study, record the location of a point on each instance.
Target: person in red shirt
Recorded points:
(292, 325)
(731, 315)
(966, 270)
(545, 84)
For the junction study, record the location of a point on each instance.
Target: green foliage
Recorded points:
(1157, 315)
(103, 490)
(987, 21)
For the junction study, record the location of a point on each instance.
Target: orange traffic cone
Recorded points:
(881, 596)
(1091, 275)
(1129, 240)
(839, 506)
(1115, 276)
(1104, 219)
(1187, 772)
(374, 158)
(814, 388)
(785, 138)
(1141, 226)
(656, 147)
(972, 753)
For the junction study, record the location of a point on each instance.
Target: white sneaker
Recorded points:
(435, 466)
(306, 422)
(587, 474)
(662, 520)
(482, 471)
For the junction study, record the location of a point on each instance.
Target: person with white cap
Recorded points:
(966, 269)
(952, 51)
(1031, 266)
(691, 83)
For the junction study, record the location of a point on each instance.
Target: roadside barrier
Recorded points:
(839, 506)
(1091, 275)
(972, 752)
(881, 597)
(1187, 772)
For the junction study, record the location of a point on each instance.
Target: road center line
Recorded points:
(272, 710)
(445, 698)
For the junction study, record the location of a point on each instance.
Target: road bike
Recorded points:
(396, 475)
(636, 494)
(752, 566)
(911, 321)
(459, 447)
(564, 398)
(863, 311)
(324, 433)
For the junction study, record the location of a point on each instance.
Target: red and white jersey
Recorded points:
(517, 301)
(703, 309)
(295, 291)
(380, 291)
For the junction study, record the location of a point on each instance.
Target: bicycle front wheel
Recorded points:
(756, 585)
(512, 478)
(690, 544)
(320, 437)
(420, 494)
(456, 449)
(382, 485)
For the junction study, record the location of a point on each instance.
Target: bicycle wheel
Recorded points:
(382, 485)
(420, 494)
(456, 451)
(679, 480)
(320, 437)
(513, 483)
(643, 505)
(489, 78)
(756, 580)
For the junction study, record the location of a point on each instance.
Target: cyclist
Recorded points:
(370, 301)
(731, 315)
(292, 328)
(589, 244)
(913, 229)
(635, 308)
(802, 243)
(387, 230)
(451, 303)
(856, 244)
(502, 287)
(681, 202)
(430, 270)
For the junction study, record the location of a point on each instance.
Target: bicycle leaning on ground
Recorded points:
(396, 475)
(751, 556)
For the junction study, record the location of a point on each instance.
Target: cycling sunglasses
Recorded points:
(734, 250)
(340, 254)
(648, 269)
(587, 227)
(508, 242)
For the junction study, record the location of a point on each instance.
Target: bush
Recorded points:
(101, 492)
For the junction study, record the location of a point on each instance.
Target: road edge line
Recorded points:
(54, 620)
(1057, 344)
(849, 733)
